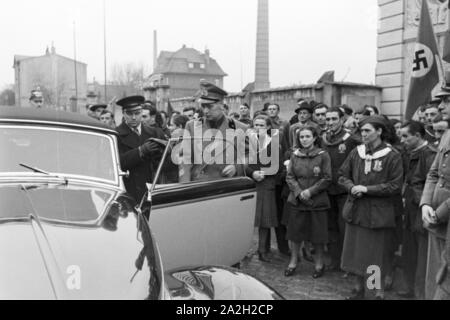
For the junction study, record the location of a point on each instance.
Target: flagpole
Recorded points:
(75, 64)
(104, 47)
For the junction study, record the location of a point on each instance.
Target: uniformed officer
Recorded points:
(435, 210)
(36, 99)
(338, 142)
(203, 132)
(138, 154)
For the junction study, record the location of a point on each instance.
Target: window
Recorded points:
(202, 66)
(191, 65)
(217, 82)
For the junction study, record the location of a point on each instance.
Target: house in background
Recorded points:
(181, 72)
(55, 76)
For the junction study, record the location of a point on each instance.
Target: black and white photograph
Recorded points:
(241, 150)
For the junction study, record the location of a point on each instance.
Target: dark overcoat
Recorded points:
(141, 169)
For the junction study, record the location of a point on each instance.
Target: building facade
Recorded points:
(397, 33)
(55, 76)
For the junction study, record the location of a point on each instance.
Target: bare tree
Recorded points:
(129, 74)
(7, 96)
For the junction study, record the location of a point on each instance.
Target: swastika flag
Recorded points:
(425, 75)
(446, 54)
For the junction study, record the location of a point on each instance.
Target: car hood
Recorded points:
(73, 242)
(216, 283)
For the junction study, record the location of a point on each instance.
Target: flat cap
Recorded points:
(210, 93)
(131, 102)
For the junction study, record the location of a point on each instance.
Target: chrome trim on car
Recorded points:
(57, 123)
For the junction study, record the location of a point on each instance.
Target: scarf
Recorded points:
(423, 145)
(329, 137)
(368, 158)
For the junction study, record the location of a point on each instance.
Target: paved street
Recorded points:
(301, 286)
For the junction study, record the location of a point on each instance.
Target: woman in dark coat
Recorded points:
(373, 176)
(262, 142)
(308, 177)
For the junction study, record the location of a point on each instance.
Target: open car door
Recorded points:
(209, 222)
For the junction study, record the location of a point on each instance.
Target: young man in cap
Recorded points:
(36, 99)
(215, 124)
(138, 154)
(418, 159)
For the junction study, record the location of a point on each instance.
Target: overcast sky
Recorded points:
(307, 37)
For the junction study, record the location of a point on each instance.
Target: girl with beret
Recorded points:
(372, 175)
(308, 177)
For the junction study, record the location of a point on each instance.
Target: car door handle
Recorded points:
(247, 198)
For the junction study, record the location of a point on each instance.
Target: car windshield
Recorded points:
(59, 151)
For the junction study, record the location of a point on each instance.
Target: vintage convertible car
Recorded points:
(68, 230)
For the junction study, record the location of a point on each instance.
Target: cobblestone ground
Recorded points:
(301, 286)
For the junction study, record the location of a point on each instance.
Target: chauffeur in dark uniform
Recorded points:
(138, 154)
(216, 123)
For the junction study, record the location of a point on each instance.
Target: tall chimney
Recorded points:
(155, 49)
(262, 47)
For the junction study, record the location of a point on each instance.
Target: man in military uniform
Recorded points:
(338, 142)
(435, 209)
(138, 153)
(203, 132)
(36, 99)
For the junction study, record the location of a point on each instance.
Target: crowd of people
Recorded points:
(362, 190)
(355, 190)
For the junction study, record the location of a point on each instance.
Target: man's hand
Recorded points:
(305, 195)
(428, 215)
(150, 149)
(229, 171)
(258, 176)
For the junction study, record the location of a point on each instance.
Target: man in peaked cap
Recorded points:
(435, 211)
(138, 154)
(214, 122)
(36, 98)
